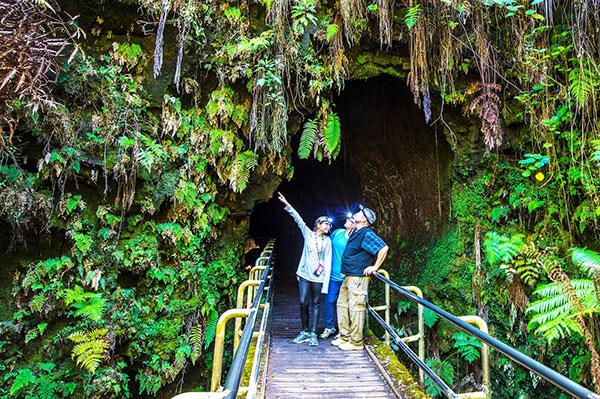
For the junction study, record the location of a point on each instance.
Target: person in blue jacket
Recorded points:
(313, 272)
(339, 238)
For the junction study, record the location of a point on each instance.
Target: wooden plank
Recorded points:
(303, 372)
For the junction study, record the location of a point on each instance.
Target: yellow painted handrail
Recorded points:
(220, 342)
(245, 286)
(485, 361)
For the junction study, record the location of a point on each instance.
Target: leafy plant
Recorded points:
(553, 316)
(467, 346)
(90, 348)
(444, 370)
(502, 249)
(412, 16)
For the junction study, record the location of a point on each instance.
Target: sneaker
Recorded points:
(337, 341)
(303, 336)
(313, 341)
(328, 332)
(347, 346)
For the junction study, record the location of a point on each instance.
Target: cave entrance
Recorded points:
(391, 161)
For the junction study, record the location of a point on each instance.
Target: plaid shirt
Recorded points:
(360, 252)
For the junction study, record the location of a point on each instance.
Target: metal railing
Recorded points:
(462, 323)
(252, 292)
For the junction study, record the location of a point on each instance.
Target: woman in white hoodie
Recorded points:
(313, 272)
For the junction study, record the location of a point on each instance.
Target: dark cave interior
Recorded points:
(391, 161)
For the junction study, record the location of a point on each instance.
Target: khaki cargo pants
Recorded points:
(352, 308)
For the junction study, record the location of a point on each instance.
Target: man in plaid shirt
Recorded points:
(364, 254)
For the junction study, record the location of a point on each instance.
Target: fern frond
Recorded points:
(307, 140)
(412, 16)
(240, 171)
(333, 135)
(582, 82)
(502, 249)
(90, 349)
(553, 314)
(211, 327)
(587, 259)
(332, 30)
(195, 341)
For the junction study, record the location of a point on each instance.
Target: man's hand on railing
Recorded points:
(370, 270)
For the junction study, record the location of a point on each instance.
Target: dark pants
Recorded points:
(310, 292)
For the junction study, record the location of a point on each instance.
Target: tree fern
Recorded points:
(333, 135)
(308, 138)
(211, 327)
(587, 259)
(553, 315)
(90, 349)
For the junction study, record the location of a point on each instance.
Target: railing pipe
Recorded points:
(232, 383)
(446, 390)
(545, 372)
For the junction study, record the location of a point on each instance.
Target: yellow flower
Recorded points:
(539, 176)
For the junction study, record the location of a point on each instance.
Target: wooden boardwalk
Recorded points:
(300, 371)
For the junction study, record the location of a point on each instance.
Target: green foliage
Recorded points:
(552, 315)
(587, 259)
(444, 370)
(90, 348)
(502, 249)
(86, 304)
(333, 135)
(303, 14)
(412, 16)
(582, 84)
(467, 346)
(322, 137)
(332, 30)
(308, 138)
(211, 327)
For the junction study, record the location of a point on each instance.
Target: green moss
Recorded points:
(396, 370)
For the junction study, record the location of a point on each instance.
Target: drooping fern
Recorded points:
(211, 327)
(308, 138)
(581, 83)
(240, 171)
(553, 315)
(90, 349)
(332, 30)
(333, 135)
(195, 340)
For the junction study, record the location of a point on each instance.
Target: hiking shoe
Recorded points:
(304, 336)
(337, 341)
(347, 346)
(328, 332)
(313, 341)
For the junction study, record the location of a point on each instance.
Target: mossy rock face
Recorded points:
(405, 382)
(364, 64)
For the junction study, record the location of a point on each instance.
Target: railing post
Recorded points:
(220, 343)
(240, 305)
(485, 358)
(417, 291)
